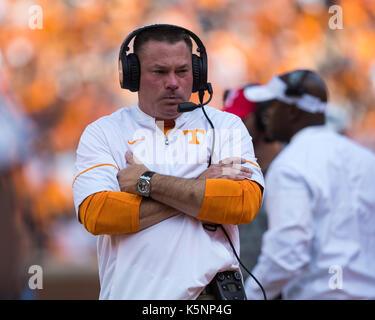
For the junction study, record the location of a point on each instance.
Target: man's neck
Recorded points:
(303, 126)
(165, 125)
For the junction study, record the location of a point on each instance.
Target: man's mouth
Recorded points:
(172, 99)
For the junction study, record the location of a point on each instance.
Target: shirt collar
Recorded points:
(308, 130)
(149, 121)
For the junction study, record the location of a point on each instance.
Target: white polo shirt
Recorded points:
(320, 201)
(176, 258)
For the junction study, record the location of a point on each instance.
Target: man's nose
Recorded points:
(171, 81)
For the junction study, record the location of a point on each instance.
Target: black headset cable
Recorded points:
(213, 227)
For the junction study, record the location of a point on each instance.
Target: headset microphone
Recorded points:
(187, 106)
(190, 106)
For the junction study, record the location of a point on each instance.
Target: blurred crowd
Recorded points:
(64, 76)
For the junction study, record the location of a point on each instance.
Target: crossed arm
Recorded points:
(203, 198)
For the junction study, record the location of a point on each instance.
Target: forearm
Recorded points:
(152, 212)
(110, 212)
(185, 195)
(191, 195)
(221, 201)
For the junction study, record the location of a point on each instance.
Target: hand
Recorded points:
(127, 178)
(228, 168)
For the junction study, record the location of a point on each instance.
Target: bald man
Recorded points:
(320, 200)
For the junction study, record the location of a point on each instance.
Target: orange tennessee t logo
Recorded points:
(194, 138)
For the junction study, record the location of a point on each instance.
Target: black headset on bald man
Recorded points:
(130, 70)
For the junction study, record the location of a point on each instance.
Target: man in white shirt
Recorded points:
(320, 200)
(142, 183)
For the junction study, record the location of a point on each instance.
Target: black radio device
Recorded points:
(227, 285)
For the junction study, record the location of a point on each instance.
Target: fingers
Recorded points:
(131, 158)
(232, 160)
(236, 178)
(232, 169)
(229, 171)
(237, 167)
(241, 172)
(233, 165)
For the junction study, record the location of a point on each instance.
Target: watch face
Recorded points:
(143, 186)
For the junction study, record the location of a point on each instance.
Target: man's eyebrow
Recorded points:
(183, 66)
(158, 66)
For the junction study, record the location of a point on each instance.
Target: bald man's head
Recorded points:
(308, 81)
(285, 119)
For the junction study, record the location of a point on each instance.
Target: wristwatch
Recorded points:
(144, 184)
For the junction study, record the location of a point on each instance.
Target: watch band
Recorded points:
(147, 174)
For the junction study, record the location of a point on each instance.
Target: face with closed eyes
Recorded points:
(166, 78)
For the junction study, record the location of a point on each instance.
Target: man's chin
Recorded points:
(170, 107)
(168, 112)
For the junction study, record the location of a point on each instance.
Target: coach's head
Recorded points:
(160, 69)
(296, 100)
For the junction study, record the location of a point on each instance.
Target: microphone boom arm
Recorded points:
(190, 106)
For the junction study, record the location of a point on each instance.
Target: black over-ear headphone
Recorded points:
(130, 71)
(295, 83)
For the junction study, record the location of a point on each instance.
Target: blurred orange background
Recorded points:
(64, 76)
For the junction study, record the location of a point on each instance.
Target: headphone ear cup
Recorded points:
(131, 76)
(197, 72)
(121, 73)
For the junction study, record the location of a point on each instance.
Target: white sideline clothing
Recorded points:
(176, 258)
(320, 201)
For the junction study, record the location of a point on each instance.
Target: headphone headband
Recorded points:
(129, 64)
(295, 83)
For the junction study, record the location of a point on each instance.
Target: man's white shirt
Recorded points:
(176, 258)
(320, 202)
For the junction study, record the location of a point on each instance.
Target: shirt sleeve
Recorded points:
(286, 244)
(95, 167)
(110, 212)
(230, 202)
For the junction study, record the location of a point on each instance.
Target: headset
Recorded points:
(129, 74)
(129, 67)
(295, 83)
